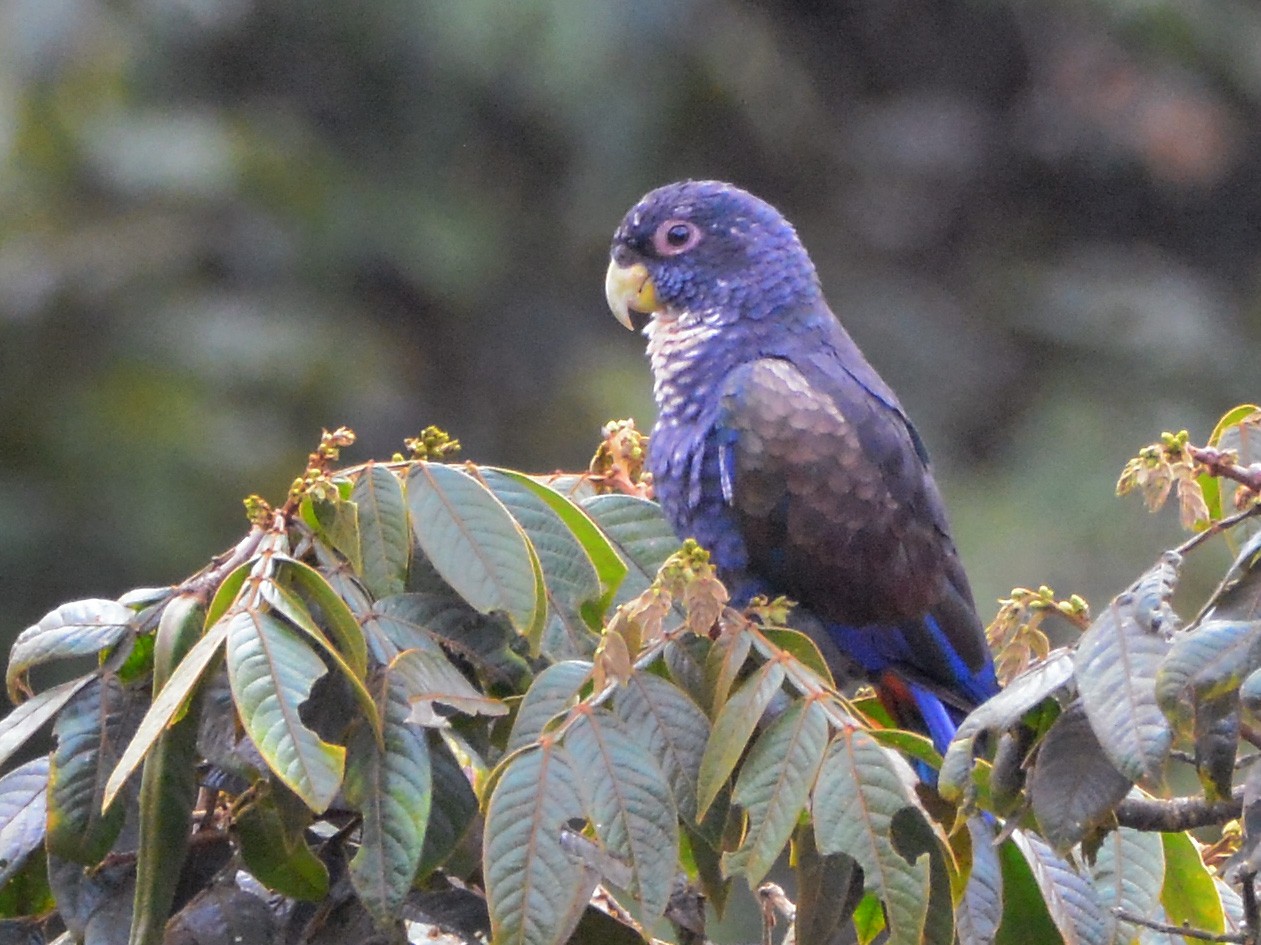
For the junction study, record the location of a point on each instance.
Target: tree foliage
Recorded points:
(426, 695)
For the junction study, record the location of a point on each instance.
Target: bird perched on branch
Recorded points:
(782, 451)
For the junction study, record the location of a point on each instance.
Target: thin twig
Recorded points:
(646, 658)
(775, 904)
(1251, 916)
(1232, 937)
(1216, 528)
(839, 711)
(1222, 463)
(1179, 813)
(1242, 761)
(212, 576)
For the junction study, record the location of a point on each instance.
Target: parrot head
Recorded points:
(707, 249)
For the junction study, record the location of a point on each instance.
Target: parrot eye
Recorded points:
(675, 236)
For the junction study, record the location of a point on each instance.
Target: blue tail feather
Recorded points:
(941, 727)
(913, 675)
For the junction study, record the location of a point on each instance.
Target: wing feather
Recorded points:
(832, 495)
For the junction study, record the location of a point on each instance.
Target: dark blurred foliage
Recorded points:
(227, 223)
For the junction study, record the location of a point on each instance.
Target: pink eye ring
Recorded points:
(675, 236)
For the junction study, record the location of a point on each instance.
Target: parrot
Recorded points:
(781, 451)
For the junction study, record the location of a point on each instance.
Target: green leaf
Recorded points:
(1026, 919)
(168, 793)
(423, 578)
(388, 635)
(228, 591)
(555, 690)
(23, 809)
(1209, 485)
(344, 582)
(452, 809)
(142, 598)
(384, 534)
(536, 891)
(173, 696)
(1050, 677)
(1070, 899)
(80, 628)
(168, 784)
(1239, 595)
(576, 486)
(639, 532)
(800, 646)
(271, 832)
(1229, 434)
(1073, 787)
(860, 788)
(1230, 419)
(572, 585)
(685, 657)
(723, 665)
(287, 604)
(1150, 936)
(704, 862)
(1189, 893)
(609, 566)
(390, 786)
(133, 659)
(732, 730)
(631, 806)
(271, 671)
(1217, 744)
(913, 745)
(343, 629)
(33, 714)
(1232, 906)
(1004, 782)
(485, 642)
(222, 742)
(1248, 856)
(673, 728)
(774, 785)
(1128, 873)
(1249, 693)
(869, 920)
(26, 893)
(181, 625)
(1116, 665)
(980, 911)
(915, 838)
(88, 731)
(336, 521)
(425, 678)
(829, 888)
(1207, 662)
(476, 546)
(94, 895)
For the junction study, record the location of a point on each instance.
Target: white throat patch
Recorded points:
(676, 342)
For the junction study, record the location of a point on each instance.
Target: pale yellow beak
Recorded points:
(630, 289)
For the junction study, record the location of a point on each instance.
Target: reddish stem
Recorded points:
(1218, 463)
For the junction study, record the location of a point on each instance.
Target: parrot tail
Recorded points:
(917, 709)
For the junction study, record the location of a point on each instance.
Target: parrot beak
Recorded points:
(630, 290)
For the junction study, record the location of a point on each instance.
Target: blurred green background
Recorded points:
(227, 223)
